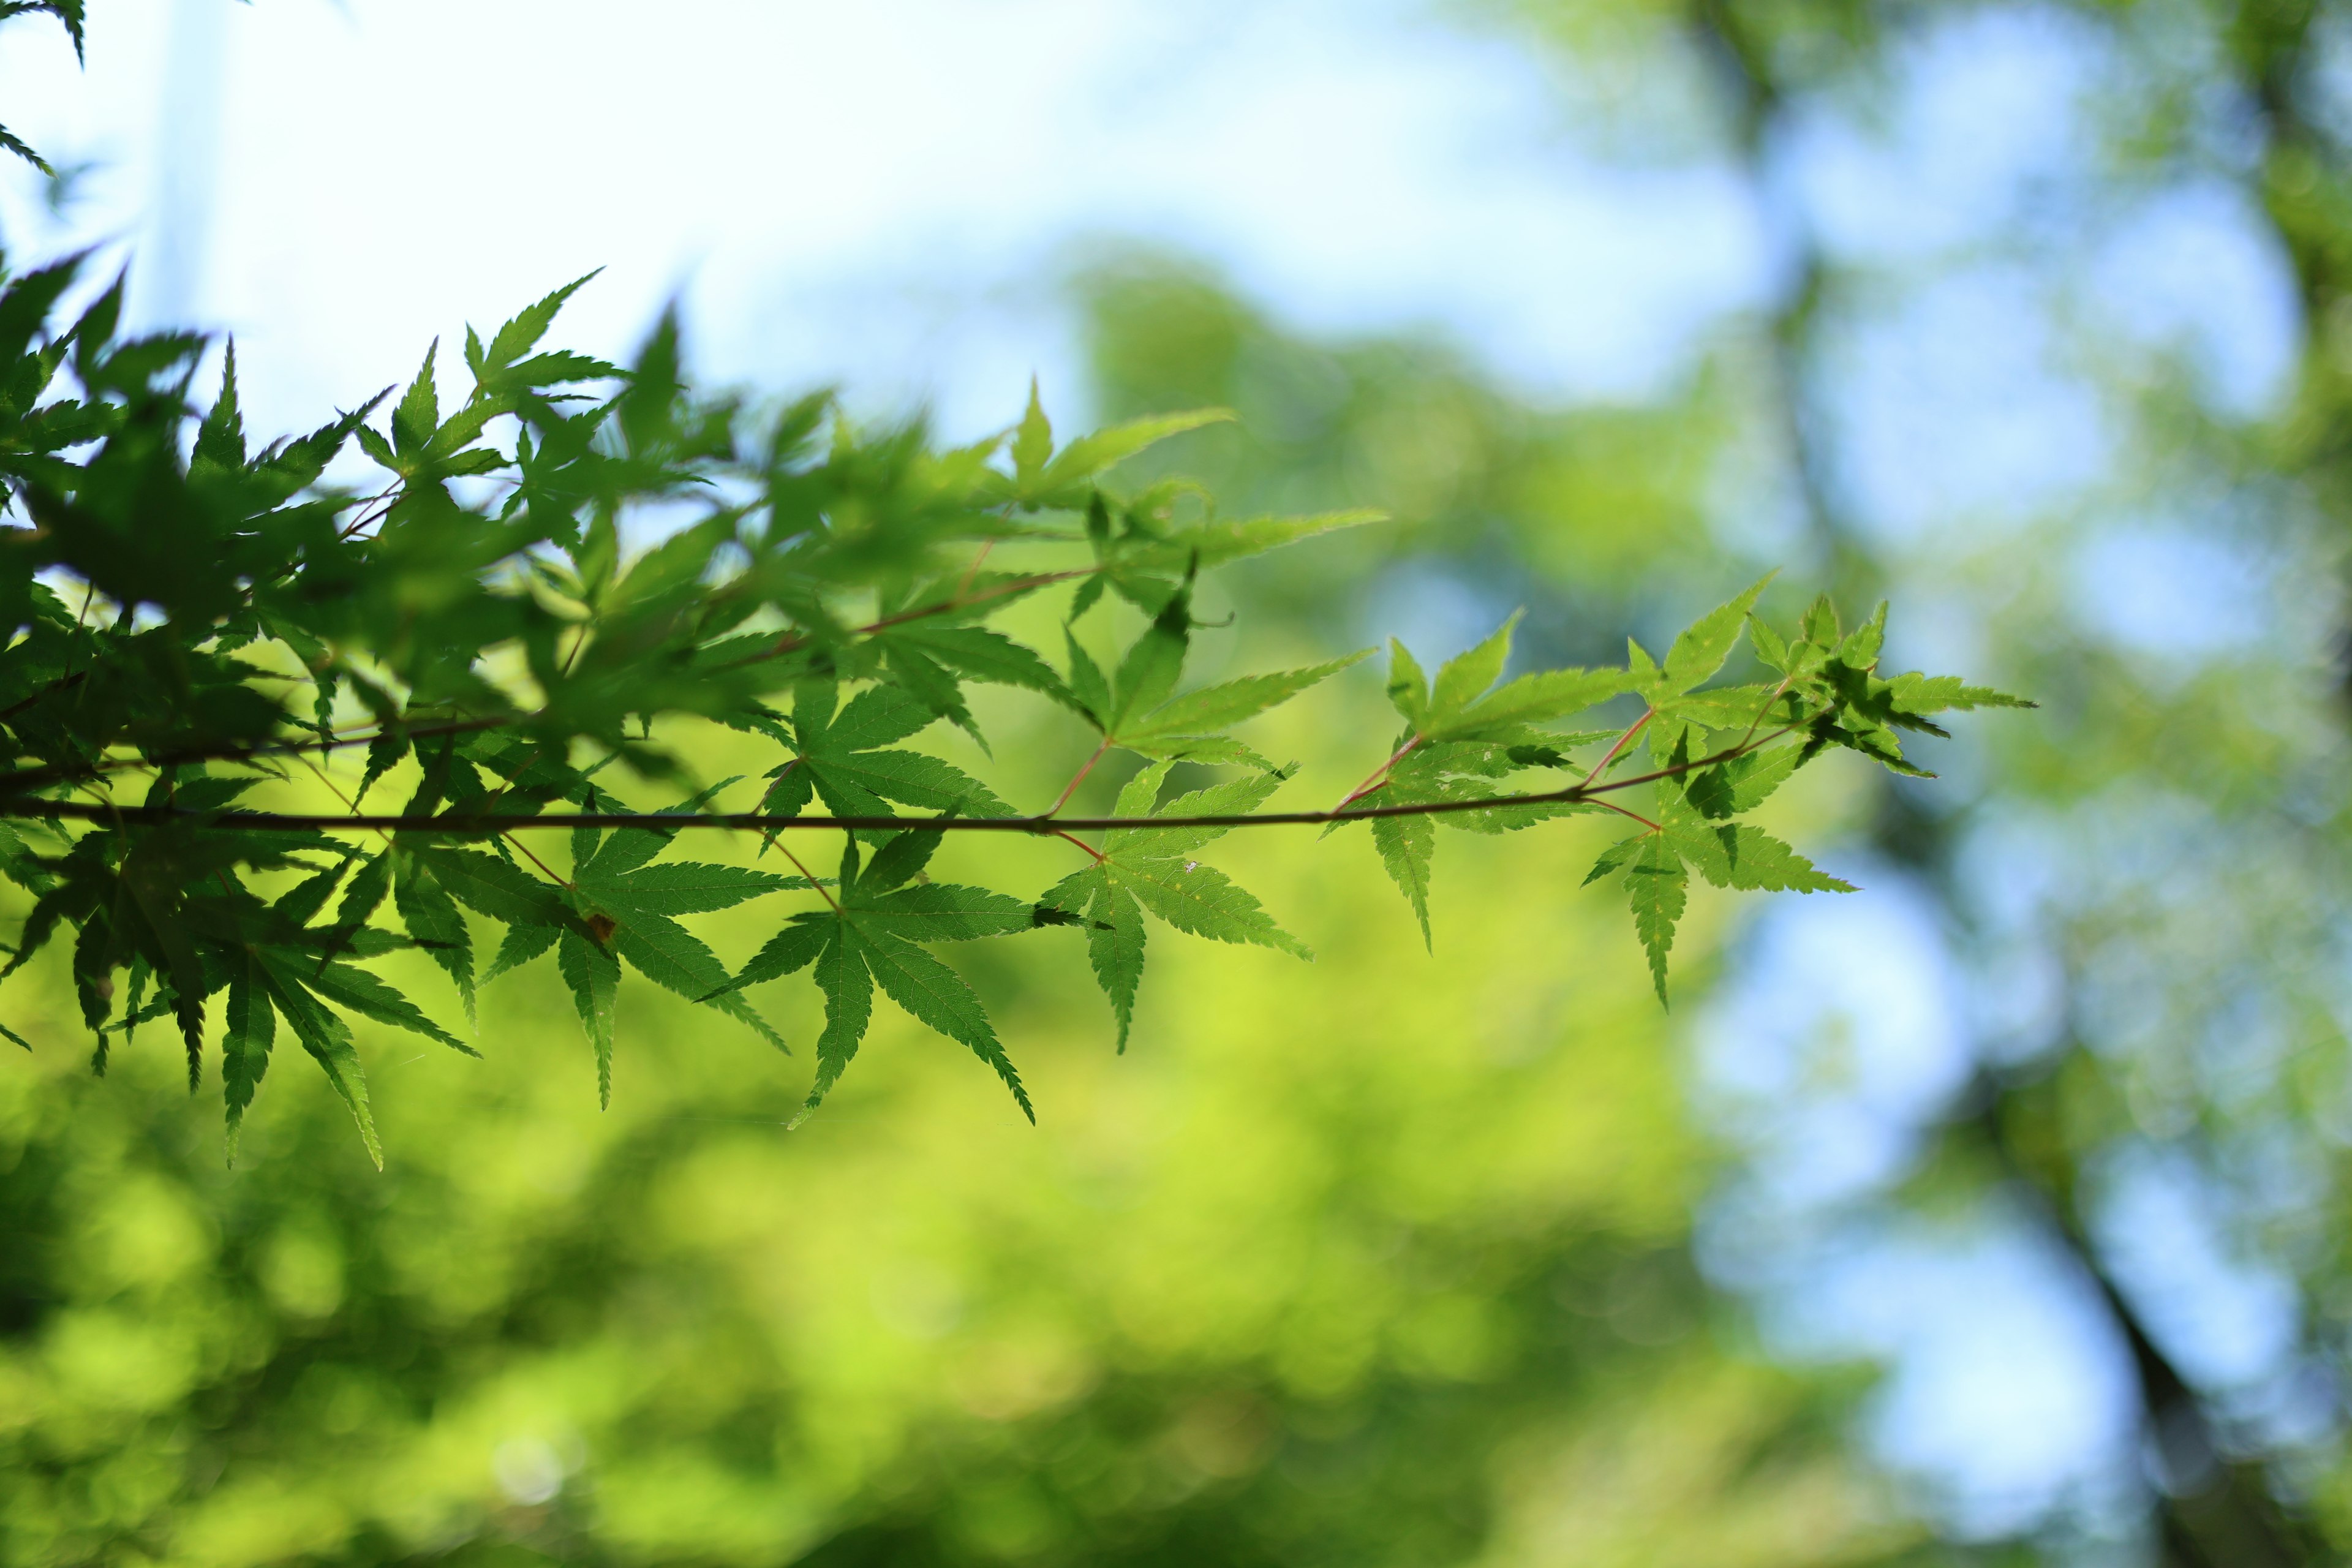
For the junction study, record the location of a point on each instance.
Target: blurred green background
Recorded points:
(1996, 1215)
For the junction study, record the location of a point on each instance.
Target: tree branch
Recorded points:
(483, 825)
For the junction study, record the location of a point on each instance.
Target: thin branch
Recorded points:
(479, 824)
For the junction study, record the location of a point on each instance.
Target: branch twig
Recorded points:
(482, 825)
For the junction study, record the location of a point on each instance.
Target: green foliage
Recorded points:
(1717, 753)
(477, 620)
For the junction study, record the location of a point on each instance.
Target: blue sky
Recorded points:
(884, 192)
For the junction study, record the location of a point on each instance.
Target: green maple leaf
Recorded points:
(1154, 663)
(1701, 650)
(418, 415)
(1152, 870)
(1742, 783)
(1462, 770)
(1911, 697)
(424, 908)
(1864, 713)
(870, 933)
(1407, 846)
(1033, 442)
(1193, 725)
(1408, 687)
(619, 907)
(1042, 478)
(846, 758)
(249, 1031)
(1682, 716)
(277, 981)
(488, 885)
(1212, 544)
(1062, 480)
(507, 367)
(632, 909)
(1740, 854)
(847, 985)
(933, 661)
(1741, 709)
(593, 975)
(1465, 702)
(1657, 887)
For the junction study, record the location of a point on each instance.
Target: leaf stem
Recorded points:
(1380, 775)
(337, 790)
(972, 571)
(367, 513)
(1760, 713)
(1077, 778)
(509, 837)
(811, 877)
(1073, 838)
(1623, 741)
(1613, 805)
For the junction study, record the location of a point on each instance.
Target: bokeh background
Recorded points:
(1995, 1214)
